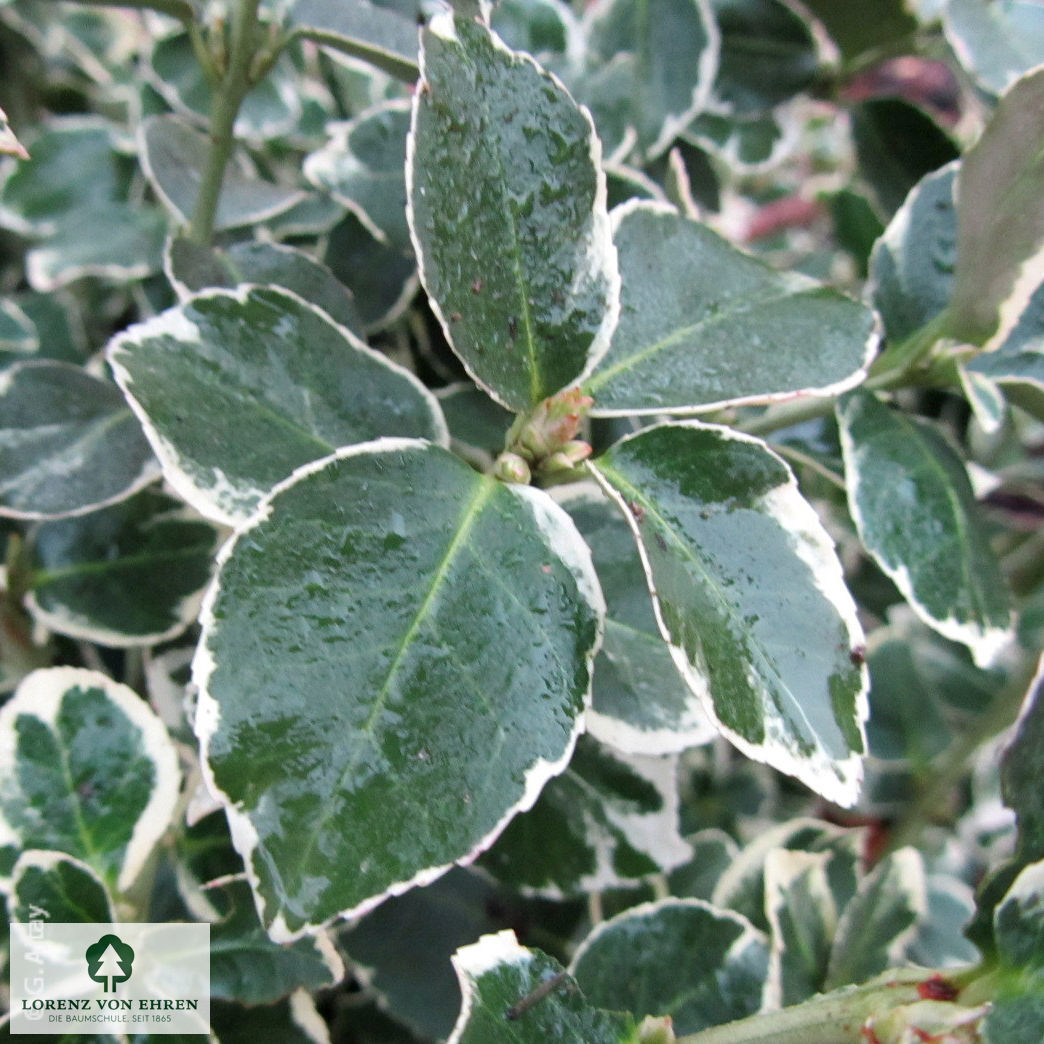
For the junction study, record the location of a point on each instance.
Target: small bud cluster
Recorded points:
(544, 442)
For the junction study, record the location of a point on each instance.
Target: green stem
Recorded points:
(228, 97)
(832, 1018)
(951, 766)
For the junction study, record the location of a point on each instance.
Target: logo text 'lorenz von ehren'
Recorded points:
(109, 961)
(70, 980)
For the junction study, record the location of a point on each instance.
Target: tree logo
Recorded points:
(109, 961)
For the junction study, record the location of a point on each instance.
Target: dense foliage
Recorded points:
(527, 518)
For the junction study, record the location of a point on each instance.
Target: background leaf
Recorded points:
(916, 514)
(678, 957)
(68, 443)
(86, 769)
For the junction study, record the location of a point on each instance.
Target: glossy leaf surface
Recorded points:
(236, 389)
(131, 574)
(916, 514)
(740, 563)
(86, 769)
(703, 325)
(68, 443)
(678, 957)
(508, 216)
(395, 657)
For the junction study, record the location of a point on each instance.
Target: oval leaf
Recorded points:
(86, 769)
(68, 889)
(517, 996)
(667, 53)
(376, 708)
(704, 325)
(508, 216)
(236, 389)
(911, 267)
(679, 957)
(132, 574)
(68, 443)
(913, 505)
(739, 564)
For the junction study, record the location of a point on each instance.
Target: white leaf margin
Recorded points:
(46, 860)
(472, 962)
(41, 694)
(561, 537)
(816, 549)
(986, 644)
(219, 500)
(797, 283)
(601, 256)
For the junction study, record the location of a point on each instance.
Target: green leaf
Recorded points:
(995, 42)
(68, 889)
(383, 280)
(345, 691)
(119, 242)
(508, 216)
(678, 957)
(1014, 356)
(192, 268)
(897, 144)
(475, 421)
(748, 146)
(1019, 921)
(768, 54)
(203, 379)
(915, 511)
(72, 170)
(641, 704)
(541, 27)
(880, 920)
(68, 443)
(380, 37)
(272, 107)
(803, 918)
(291, 1021)
(1000, 213)
(1015, 1016)
(517, 996)
(174, 157)
(667, 53)
(128, 575)
(363, 168)
(859, 28)
(912, 264)
(18, 336)
(703, 325)
(739, 562)
(402, 950)
(1022, 772)
(85, 769)
(246, 966)
(609, 821)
